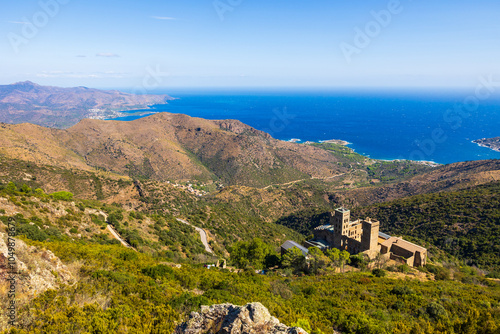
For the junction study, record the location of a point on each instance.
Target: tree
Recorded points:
(380, 260)
(11, 187)
(317, 259)
(25, 189)
(255, 253)
(63, 196)
(334, 255)
(39, 192)
(344, 258)
(293, 258)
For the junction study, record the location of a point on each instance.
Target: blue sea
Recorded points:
(436, 126)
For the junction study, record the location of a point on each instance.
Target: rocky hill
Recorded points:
(62, 107)
(170, 147)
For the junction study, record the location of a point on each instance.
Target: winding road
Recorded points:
(203, 235)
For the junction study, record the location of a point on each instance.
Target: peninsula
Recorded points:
(57, 107)
(492, 143)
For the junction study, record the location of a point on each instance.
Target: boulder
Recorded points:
(252, 318)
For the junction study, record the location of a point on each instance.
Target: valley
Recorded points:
(86, 192)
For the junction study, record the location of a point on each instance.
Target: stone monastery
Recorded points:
(363, 236)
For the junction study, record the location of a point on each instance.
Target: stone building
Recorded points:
(404, 251)
(363, 236)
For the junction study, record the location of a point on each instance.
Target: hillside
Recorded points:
(464, 223)
(118, 290)
(170, 147)
(25, 102)
(444, 178)
(114, 289)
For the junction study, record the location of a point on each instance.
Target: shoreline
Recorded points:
(346, 143)
(483, 142)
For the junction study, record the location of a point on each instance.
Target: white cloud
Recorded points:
(163, 18)
(80, 75)
(107, 54)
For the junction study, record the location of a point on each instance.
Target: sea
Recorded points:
(432, 125)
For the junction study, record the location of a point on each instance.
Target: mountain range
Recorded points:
(170, 147)
(62, 107)
(75, 192)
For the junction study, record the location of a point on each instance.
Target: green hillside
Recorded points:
(121, 291)
(463, 223)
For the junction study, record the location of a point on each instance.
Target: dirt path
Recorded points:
(203, 235)
(313, 178)
(119, 238)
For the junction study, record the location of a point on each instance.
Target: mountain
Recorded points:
(444, 178)
(170, 147)
(126, 173)
(62, 107)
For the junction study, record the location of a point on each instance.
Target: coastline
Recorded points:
(488, 143)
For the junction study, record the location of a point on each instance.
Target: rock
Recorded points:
(252, 318)
(38, 270)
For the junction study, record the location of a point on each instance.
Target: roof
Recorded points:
(383, 235)
(324, 227)
(289, 244)
(404, 244)
(319, 243)
(342, 209)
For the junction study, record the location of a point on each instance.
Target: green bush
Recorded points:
(379, 272)
(62, 196)
(436, 311)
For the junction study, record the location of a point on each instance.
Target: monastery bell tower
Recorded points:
(340, 221)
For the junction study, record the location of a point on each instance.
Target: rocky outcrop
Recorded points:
(230, 319)
(491, 143)
(37, 270)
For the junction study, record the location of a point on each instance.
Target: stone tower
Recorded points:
(369, 238)
(340, 221)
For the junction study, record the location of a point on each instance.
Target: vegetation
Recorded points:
(123, 291)
(381, 171)
(464, 223)
(119, 290)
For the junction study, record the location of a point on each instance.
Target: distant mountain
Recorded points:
(168, 146)
(451, 177)
(27, 102)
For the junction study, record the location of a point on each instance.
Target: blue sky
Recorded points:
(145, 45)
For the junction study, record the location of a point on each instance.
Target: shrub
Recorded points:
(158, 271)
(402, 290)
(62, 196)
(379, 272)
(436, 311)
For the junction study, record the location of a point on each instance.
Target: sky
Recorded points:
(150, 45)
